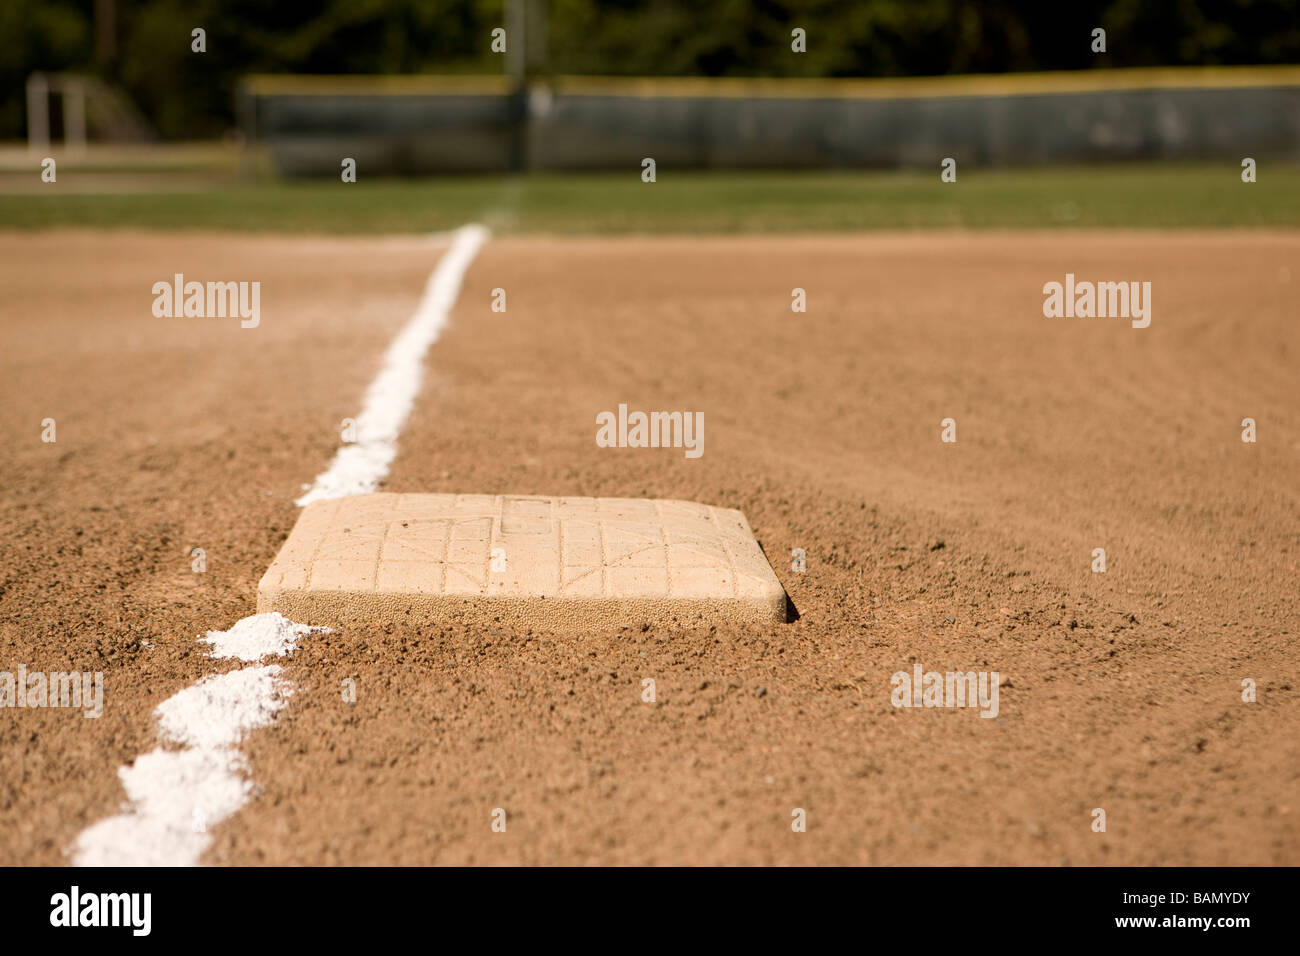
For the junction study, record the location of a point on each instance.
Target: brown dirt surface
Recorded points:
(1120, 691)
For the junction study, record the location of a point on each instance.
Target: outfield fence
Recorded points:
(426, 124)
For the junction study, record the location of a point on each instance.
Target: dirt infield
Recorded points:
(1120, 691)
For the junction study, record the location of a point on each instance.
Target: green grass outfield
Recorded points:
(1148, 196)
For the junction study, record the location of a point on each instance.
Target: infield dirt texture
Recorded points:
(1119, 690)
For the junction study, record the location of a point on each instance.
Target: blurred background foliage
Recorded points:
(144, 45)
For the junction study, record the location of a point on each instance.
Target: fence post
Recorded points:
(38, 113)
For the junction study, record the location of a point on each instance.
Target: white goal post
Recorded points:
(73, 90)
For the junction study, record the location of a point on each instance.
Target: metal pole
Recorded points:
(38, 113)
(517, 103)
(516, 42)
(536, 39)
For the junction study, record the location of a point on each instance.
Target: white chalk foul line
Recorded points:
(173, 796)
(358, 467)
